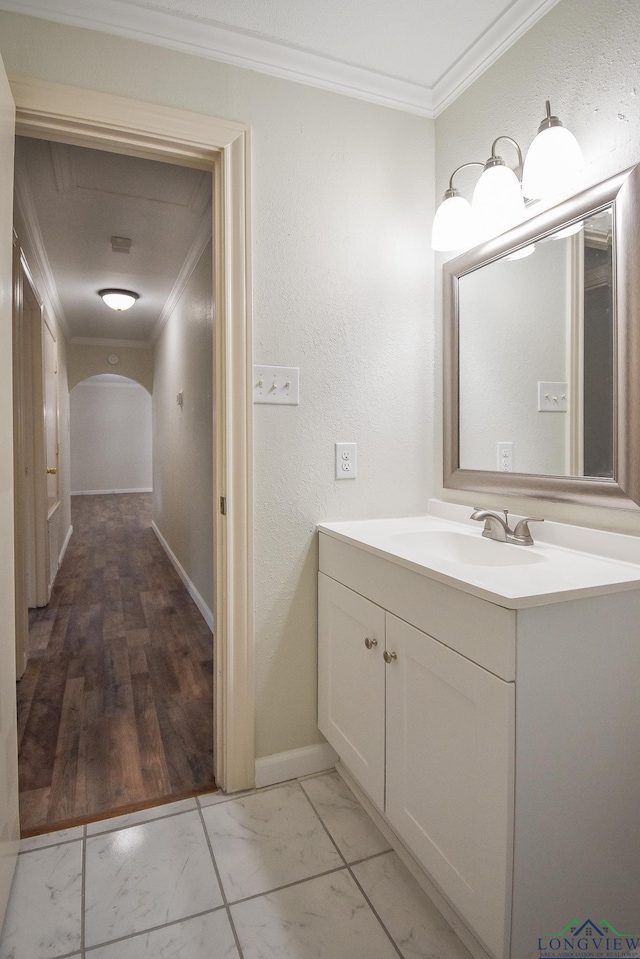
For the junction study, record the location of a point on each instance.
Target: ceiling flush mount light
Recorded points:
(552, 168)
(118, 299)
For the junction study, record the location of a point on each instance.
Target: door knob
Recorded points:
(389, 657)
(52, 470)
(370, 643)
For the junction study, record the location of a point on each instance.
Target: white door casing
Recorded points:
(9, 827)
(85, 118)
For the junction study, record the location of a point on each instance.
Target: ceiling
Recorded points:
(415, 55)
(73, 200)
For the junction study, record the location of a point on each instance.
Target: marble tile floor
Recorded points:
(295, 871)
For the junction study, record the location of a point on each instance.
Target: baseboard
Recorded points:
(280, 767)
(104, 492)
(207, 615)
(64, 546)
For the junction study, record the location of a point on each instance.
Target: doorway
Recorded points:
(116, 706)
(142, 129)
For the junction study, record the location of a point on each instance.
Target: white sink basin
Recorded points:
(472, 550)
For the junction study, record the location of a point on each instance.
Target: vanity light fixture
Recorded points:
(119, 299)
(552, 167)
(554, 161)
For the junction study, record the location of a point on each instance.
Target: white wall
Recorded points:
(342, 203)
(583, 57)
(513, 331)
(91, 359)
(183, 446)
(110, 436)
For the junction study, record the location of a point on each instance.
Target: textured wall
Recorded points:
(583, 57)
(84, 360)
(110, 437)
(183, 435)
(342, 201)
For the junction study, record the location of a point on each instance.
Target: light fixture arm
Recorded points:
(451, 191)
(495, 160)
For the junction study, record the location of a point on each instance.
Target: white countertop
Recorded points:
(566, 562)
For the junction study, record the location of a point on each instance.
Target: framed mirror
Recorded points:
(542, 354)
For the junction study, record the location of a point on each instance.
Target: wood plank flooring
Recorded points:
(115, 709)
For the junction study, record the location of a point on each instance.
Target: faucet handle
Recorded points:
(522, 532)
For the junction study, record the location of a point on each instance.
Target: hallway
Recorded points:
(115, 707)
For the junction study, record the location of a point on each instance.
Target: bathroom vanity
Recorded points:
(484, 696)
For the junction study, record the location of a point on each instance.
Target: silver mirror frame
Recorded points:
(623, 490)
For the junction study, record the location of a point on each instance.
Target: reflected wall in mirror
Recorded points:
(542, 354)
(535, 353)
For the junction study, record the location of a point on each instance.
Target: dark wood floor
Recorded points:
(115, 707)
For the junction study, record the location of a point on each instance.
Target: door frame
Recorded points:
(86, 118)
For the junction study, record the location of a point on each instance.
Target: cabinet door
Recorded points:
(351, 682)
(450, 758)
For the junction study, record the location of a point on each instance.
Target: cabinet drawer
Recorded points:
(479, 630)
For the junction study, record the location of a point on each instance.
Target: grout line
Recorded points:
(141, 822)
(320, 819)
(375, 912)
(225, 901)
(49, 845)
(288, 885)
(144, 932)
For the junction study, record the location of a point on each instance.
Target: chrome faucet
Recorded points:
(499, 530)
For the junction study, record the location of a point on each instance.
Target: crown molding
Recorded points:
(29, 217)
(496, 40)
(198, 247)
(253, 52)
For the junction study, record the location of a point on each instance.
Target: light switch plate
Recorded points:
(276, 384)
(553, 397)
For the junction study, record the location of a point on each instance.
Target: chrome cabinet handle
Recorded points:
(389, 657)
(370, 643)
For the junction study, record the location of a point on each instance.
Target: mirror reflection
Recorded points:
(536, 354)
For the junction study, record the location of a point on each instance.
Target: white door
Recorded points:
(351, 682)
(450, 759)
(9, 827)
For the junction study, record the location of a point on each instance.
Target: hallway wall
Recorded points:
(110, 437)
(342, 286)
(183, 435)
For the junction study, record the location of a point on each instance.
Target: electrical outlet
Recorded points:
(346, 461)
(505, 457)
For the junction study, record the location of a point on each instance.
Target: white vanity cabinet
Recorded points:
(446, 787)
(516, 790)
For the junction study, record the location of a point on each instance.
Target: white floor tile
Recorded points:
(43, 915)
(143, 815)
(267, 840)
(147, 875)
(212, 799)
(205, 937)
(350, 826)
(51, 839)
(324, 918)
(417, 927)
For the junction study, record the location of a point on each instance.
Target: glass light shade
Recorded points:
(553, 166)
(118, 299)
(498, 203)
(452, 225)
(568, 231)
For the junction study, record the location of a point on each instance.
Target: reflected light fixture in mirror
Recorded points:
(552, 168)
(118, 299)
